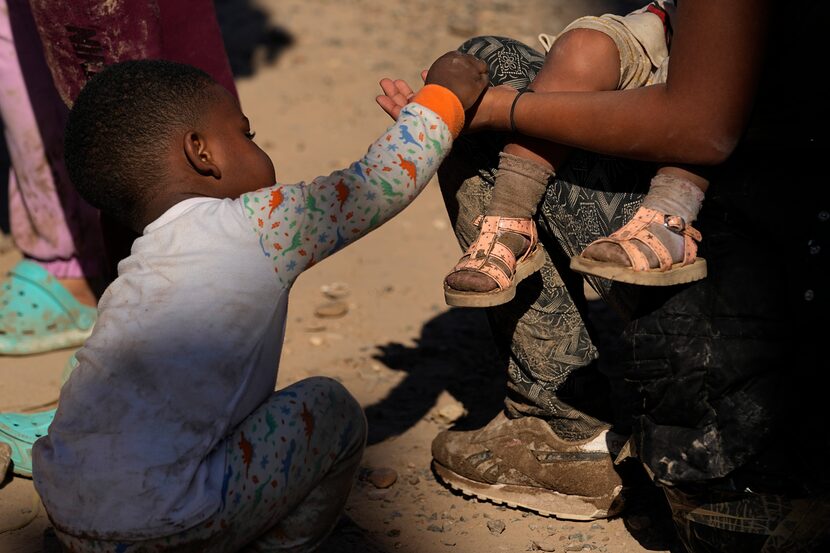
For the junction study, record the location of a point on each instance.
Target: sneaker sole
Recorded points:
(544, 502)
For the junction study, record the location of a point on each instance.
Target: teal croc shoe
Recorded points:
(20, 431)
(37, 314)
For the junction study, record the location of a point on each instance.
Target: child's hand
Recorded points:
(464, 74)
(396, 94)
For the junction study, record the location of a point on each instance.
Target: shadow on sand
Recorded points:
(251, 40)
(456, 353)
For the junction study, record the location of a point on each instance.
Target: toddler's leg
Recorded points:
(580, 60)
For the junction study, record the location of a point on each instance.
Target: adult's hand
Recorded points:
(465, 75)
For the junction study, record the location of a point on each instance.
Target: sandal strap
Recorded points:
(479, 256)
(516, 225)
(637, 229)
(35, 276)
(690, 234)
(639, 261)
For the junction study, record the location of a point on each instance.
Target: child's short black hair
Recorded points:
(119, 131)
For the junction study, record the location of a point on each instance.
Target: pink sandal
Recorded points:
(668, 273)
(489, 256)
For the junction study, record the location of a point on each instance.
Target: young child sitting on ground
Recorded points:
(657, 247)
(169, 435)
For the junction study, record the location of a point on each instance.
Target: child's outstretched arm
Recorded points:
(299, 225)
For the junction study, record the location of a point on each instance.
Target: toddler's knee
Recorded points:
(587, 58)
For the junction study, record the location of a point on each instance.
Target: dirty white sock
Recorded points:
(520, 185)
(674, 196)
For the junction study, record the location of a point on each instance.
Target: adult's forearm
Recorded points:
(696, 117)
(646, 124)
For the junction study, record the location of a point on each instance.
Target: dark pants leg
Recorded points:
(544, 328)
(720, 374)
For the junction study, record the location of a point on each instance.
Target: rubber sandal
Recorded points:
(20, 431)
(507, 272)
(690, 269)
(37, 314)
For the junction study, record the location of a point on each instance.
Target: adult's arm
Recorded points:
(696, 117)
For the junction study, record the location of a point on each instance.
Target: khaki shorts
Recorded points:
(641, 40)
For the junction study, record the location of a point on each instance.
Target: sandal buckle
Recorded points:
(674, 223)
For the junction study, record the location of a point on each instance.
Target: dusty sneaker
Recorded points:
(523, 463)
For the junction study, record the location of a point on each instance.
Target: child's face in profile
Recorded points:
(245, 167)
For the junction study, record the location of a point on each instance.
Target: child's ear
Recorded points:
(199, 156)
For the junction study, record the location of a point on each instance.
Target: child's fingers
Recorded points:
(424, 75)
(389, 87)
(389, 106)
(392, 90)
(404, 88)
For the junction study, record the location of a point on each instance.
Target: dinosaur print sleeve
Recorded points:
(298, 225)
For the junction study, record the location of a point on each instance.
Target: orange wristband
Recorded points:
(445, 103)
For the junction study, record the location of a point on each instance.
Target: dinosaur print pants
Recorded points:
(289, 468)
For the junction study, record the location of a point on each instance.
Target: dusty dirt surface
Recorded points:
(373, 316)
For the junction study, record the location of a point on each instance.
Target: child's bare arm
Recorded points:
(299, 225)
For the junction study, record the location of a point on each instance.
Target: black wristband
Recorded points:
(513, 108)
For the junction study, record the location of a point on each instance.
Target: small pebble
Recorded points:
(335, 290)
(332, 309)
(545, 545)
(496, 527)
(435, 528)
(383, 477)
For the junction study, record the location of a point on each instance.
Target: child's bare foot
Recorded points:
(505, 253)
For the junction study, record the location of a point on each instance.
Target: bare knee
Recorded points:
(580, 60)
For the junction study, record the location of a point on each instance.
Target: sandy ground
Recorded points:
(307, 76)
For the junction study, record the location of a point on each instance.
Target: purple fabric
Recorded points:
(48, 52)
(50, 222)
